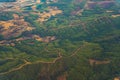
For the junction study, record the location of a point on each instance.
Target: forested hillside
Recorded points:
(61, 40)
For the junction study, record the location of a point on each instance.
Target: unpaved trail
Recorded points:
(75, 52)
(15, 69)
(28, 63)
(51, 62)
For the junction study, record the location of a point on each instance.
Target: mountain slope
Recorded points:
(77, 43)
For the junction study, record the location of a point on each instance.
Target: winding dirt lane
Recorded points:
(52, 62)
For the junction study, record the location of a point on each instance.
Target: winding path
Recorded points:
(52, 62)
